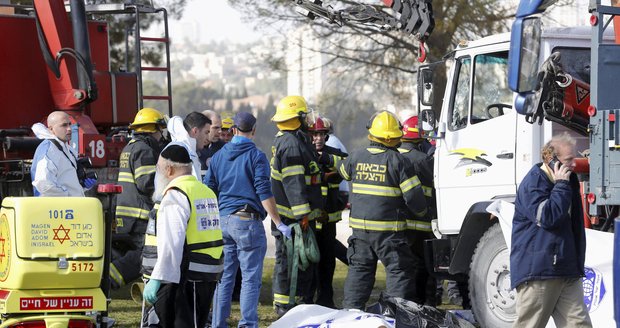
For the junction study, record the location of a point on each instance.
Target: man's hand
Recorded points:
(561, 172)
(284, 229)
(323, 218)
(89, 182)
(150, 291)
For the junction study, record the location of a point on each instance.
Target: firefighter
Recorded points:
(329, 158)
(137, 177)
(383, 184)
(296, 185)
(413, 148)
(226, 134)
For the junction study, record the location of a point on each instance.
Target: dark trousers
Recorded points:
(426, 285)
(326, 240)
(365, 248)
(281, 282)
(175, 306)
(127, 252)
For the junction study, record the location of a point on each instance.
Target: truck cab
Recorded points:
(483, 150)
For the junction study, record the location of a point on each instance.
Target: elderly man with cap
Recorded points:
(239, 173)
(189, 243)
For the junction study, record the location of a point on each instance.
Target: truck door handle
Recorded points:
(505, 155)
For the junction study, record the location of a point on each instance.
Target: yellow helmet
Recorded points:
(290, 107)
(227, 123)
(385, 125)
(147, 120)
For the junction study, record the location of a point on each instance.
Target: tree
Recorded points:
(381, 56)
(190, 96)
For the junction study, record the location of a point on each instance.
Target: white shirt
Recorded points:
(172, 218)
(180, 137)
(54, 171)
(333, 141)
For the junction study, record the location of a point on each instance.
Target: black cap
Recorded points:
(244, 121)
(177, 154)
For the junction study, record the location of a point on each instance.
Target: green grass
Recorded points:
(127, 313)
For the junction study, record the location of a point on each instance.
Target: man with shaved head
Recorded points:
(54, 166)
(215, 143)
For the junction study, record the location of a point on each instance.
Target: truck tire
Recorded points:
(493, 302)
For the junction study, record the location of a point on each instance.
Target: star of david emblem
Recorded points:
(63, 238)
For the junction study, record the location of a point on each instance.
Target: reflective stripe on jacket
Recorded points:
(423, 165)
(137, 177)
(295, 175)
(383, 185)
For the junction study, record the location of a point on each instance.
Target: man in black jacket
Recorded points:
(137, 177)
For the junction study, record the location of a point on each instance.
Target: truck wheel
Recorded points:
(492, 300)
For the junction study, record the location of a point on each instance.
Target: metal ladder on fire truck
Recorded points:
(139, 10)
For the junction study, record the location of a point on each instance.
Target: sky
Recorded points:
(206, 20)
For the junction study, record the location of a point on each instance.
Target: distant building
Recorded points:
(304, 63)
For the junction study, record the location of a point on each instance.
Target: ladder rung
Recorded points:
(156, 97)
(144, 38)
(160, 69)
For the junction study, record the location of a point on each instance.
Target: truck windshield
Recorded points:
(488, 97)
(491, 96)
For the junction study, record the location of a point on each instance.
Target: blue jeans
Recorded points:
(245, 245)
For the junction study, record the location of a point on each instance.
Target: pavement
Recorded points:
(342, 233)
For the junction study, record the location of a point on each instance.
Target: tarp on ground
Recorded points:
(390, 312)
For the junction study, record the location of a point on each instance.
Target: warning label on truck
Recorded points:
(5, 248)
(55, 303)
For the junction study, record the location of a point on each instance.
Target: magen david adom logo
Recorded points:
(593, 288)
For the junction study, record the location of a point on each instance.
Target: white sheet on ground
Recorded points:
(316, 316)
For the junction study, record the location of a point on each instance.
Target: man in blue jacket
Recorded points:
(548, 241)
(239, 174)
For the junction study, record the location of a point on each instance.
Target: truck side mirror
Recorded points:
(425, 86)
(427, 123)
(523, 57)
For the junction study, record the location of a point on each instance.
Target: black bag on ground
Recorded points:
(409, 314)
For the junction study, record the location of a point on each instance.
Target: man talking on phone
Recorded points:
(548, 241)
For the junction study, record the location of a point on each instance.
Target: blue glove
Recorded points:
(89, 183)
(150, 290)
(284, 229)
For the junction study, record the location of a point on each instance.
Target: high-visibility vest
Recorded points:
(202, 254)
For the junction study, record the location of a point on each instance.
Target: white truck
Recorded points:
(484, 148)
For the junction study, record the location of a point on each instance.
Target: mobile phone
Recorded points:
(553, 161)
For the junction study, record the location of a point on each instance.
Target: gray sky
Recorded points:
(206, 20)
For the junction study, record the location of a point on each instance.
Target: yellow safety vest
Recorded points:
(203, 238)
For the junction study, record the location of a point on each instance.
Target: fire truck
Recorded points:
(505, 96)
(54, 252)
(499, 100)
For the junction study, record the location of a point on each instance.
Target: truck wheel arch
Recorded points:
(477, 222)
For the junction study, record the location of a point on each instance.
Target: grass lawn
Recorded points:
(127, 313)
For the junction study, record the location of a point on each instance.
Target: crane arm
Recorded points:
(414, 17)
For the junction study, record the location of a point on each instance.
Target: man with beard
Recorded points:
(189, 244)
(136, 176)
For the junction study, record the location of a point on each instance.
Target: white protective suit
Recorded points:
(179, 136)
(53, 170)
